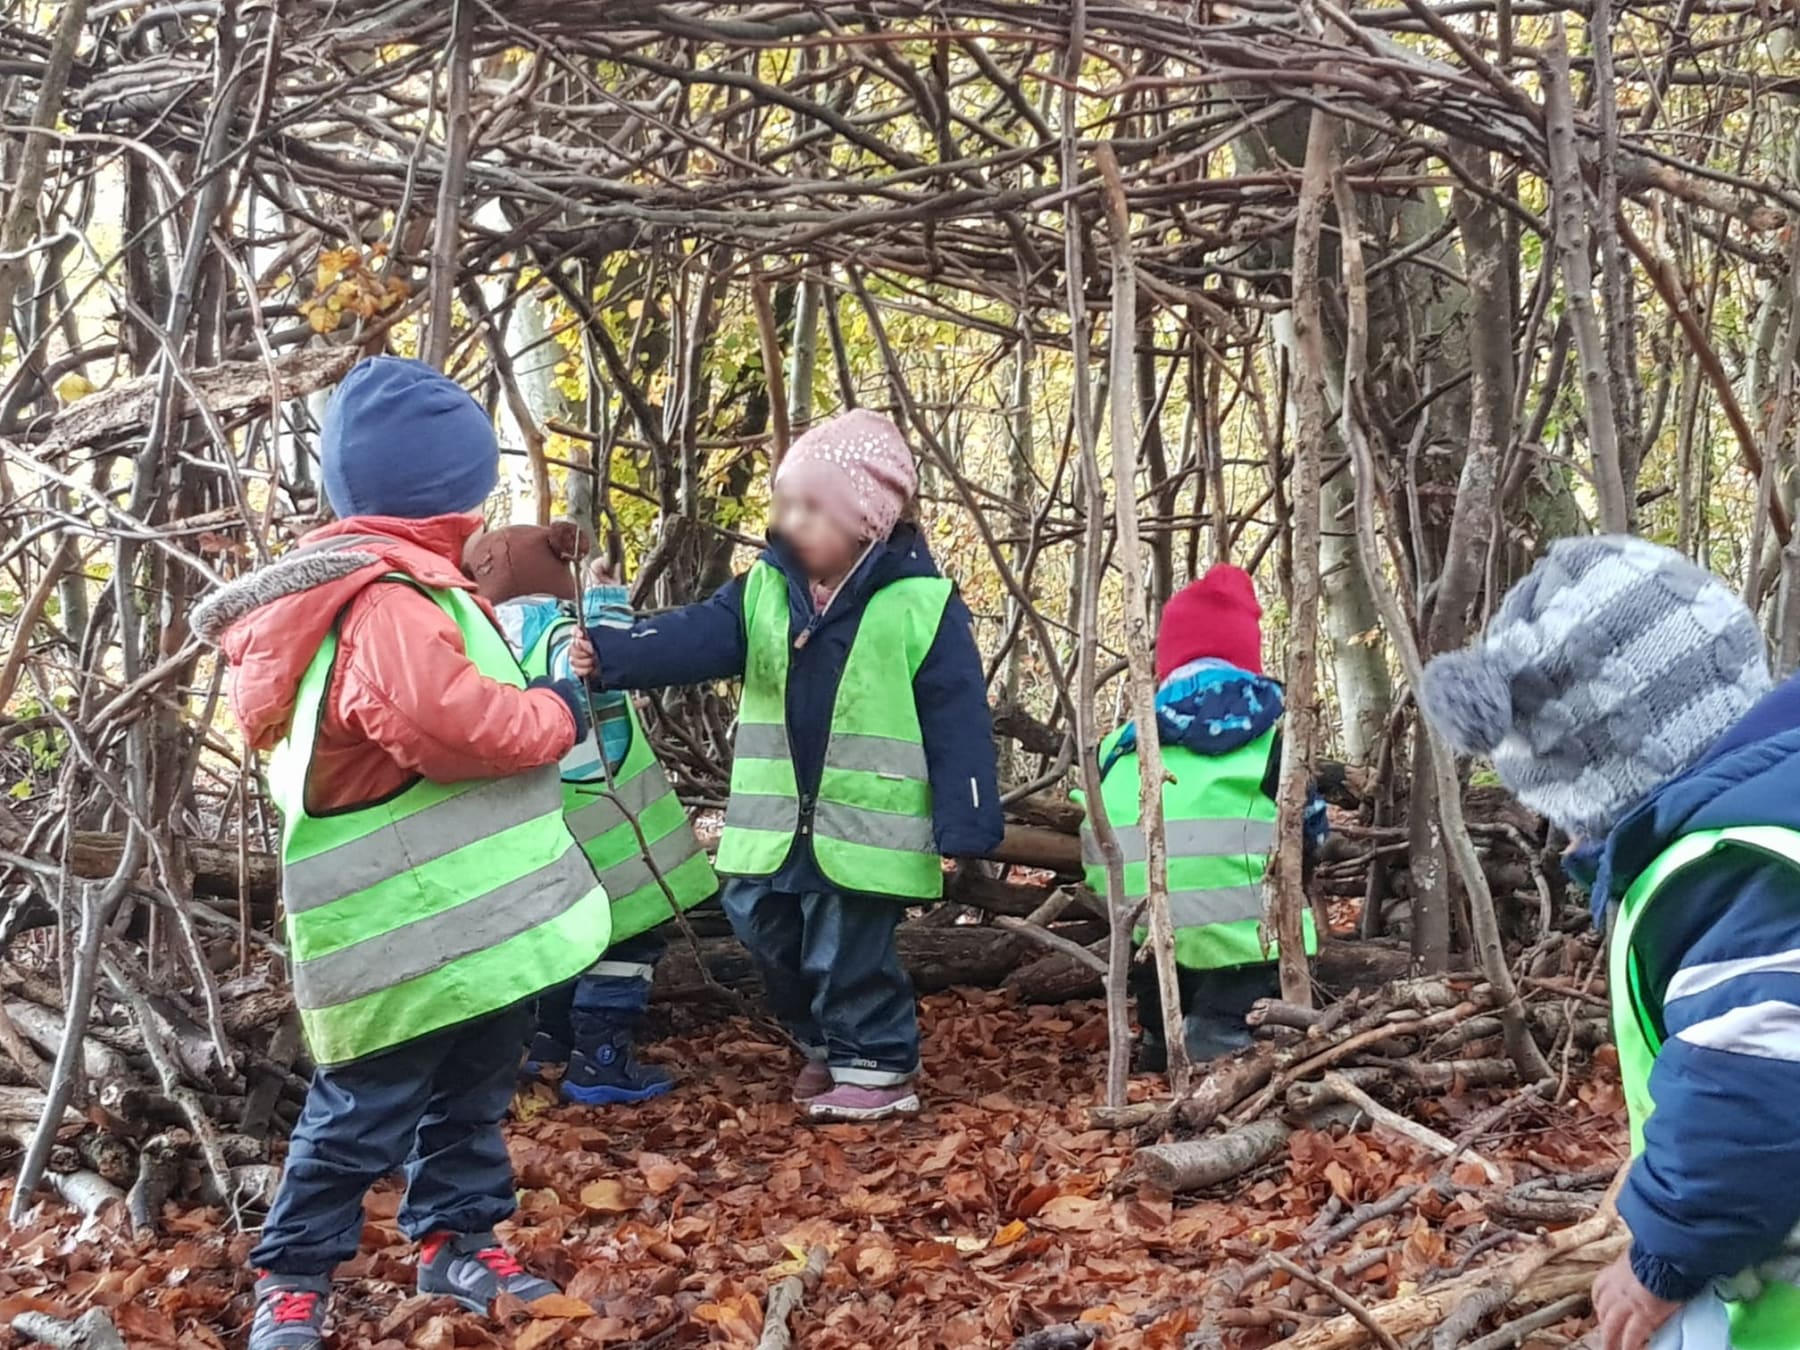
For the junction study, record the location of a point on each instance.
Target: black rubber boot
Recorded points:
(1216, 1003)
(1152, 1050)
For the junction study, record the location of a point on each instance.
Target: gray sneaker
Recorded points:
(473, 1268)
(290, 1312)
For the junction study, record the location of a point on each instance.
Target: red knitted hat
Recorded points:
(1217, 616)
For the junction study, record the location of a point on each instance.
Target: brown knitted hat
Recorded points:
(526, 560)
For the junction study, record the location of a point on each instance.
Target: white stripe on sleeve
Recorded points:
(1765, 1030)
(1698, 979)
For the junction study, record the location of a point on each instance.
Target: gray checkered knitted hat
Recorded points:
(1610, 669)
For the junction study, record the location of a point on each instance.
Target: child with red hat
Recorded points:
(1218, 721)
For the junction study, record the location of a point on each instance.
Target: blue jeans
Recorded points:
(831, 972)
(431, 1108)
(610, 995)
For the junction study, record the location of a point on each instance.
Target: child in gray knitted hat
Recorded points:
(1623, 692)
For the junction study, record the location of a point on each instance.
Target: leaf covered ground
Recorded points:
(997, 1212)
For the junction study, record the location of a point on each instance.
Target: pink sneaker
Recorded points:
(849, 1101)
(813, 1081)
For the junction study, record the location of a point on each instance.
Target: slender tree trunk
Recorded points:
(1488, 946)
(446, 233)
(1091, 564)
(1287, 903)
(1358, 653)
(1140, 664)
(803, 364)
(26, 197)
(1569, 213)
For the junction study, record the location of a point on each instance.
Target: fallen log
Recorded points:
(27, 1104)
(43, 1027)
(1341, 966)
(95, 855)
(1194, 1164)
(88, 1192)
(936, 958)
(159, 1170)
(966, 886)
(1055, 978)
(1050, 844)
(1054, 813)
(1036, 846)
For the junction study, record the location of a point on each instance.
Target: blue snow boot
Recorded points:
(604, 1071)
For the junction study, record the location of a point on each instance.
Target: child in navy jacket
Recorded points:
(1623, 692)
(826, 952)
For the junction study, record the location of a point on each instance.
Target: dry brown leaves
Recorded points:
(995, 1213)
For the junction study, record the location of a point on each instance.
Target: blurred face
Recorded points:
(823, 546)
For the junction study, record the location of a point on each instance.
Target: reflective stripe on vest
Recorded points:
(1769, 1318)
(1219, 828)
(870, 826)
(639, 902)
(443, 903)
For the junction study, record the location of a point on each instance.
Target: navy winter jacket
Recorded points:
(706, 641)
(1714, 1192)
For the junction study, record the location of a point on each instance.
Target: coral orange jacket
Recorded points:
(405, 701)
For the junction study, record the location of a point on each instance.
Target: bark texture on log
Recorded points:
(1194, 1164)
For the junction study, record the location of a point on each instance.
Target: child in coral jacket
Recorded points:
(431, 887)
(864, 752)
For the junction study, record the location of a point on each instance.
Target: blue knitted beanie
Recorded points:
(402, 440)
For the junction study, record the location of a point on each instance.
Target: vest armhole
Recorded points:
(1271, 779)
(413, 780)
(1652, 1001)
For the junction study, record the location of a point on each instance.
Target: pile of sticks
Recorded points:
(164, 1107)
(1360, 1064)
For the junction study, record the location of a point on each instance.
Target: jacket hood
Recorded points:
(1750, 776)
(271, 622)
(1210, 707)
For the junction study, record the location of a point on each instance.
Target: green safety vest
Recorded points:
(1219, 826)
(639, 902)
(438, 904)
(1767, 1316)
(871, 822)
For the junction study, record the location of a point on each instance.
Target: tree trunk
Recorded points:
(1358, 656)
(1286, 903)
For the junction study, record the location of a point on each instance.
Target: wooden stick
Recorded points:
(1421, 1135)
(785, 1296)
(1140, 660)
(1342, 1297)
(1513, 1333)
(93, 1330)
(1056, 942)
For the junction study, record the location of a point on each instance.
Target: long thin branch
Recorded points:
(26, 198)
(446, 229)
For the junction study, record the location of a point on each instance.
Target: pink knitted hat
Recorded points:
(859, 469)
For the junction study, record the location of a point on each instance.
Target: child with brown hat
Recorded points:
(528, 572)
